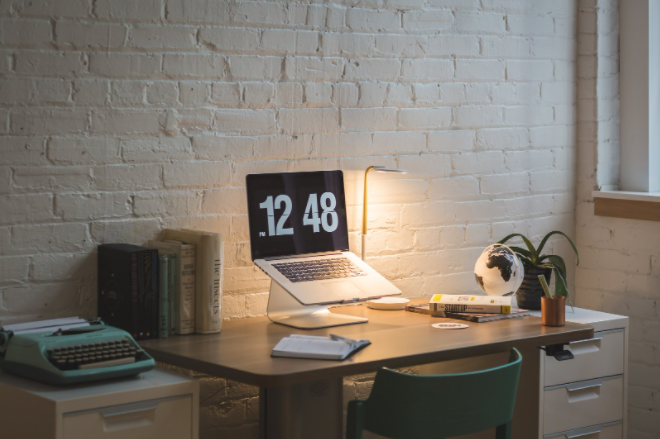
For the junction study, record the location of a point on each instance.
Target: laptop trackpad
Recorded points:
(343, 289)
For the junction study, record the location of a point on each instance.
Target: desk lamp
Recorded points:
(382, 169)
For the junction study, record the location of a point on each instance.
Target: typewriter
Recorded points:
(70, 351)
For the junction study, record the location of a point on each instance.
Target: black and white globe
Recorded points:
(498, 271)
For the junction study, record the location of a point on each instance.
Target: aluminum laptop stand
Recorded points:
(286, 310)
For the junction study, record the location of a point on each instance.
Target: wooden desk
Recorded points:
(303, 398)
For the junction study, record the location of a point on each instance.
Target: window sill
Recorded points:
(630, 205)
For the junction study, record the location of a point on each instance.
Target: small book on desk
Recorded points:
(318, 348)
(424, 308)
(471, 304)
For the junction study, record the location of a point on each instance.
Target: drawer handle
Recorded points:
(587, 340)
(593, 430)
(586, 346)
(126, 409)
(582, 386)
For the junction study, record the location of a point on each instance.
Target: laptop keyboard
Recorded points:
(319, 270)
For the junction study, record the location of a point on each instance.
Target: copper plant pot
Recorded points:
(553, 311)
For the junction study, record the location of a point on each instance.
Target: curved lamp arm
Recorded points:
(364, 213)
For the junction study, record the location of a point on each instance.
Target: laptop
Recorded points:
(299, 237)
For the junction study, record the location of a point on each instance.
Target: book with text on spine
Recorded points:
(474, 304)
(208, 272)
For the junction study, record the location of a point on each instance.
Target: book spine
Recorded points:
(412, 308)
(458, 316)
(104, 274)
(172, 288)
(185, 308)
(220, 273)
(208, 318)
(163, 296)
(143, 322)
(426, 311)
(135, 296)
(486, 309)
(154, 297)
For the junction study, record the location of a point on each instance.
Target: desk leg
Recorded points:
(302, 411)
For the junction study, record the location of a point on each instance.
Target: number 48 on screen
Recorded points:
(327, 220)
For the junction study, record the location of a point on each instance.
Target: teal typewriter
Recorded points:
(70, 351)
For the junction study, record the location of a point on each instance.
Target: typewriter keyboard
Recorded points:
(318, 270)
(93, 355)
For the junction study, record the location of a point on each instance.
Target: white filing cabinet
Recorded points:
(157, 404)
(587, 396)
(583, 397)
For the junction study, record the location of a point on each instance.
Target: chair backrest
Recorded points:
(436, 406)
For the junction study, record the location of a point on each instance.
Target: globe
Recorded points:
(498, 271)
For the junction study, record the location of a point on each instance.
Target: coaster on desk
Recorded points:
(388, 303)
(450, 325)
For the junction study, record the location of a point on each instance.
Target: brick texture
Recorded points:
(619, 270)
(119, 118)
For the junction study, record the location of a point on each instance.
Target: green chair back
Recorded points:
(404, 406)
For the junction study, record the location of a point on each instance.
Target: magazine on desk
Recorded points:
(334, 347)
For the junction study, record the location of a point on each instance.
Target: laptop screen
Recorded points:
(295, 213)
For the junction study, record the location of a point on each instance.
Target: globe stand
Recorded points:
(284, 309)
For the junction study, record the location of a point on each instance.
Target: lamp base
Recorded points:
(284, 309)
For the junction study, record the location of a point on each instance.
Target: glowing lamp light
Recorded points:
(382, 169)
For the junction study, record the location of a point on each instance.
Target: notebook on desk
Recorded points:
(334, 347)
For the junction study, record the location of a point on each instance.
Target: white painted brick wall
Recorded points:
(120, 118)
(619, 270)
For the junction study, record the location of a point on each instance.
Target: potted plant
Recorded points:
(535, 262)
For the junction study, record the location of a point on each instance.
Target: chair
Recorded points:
(404, 406)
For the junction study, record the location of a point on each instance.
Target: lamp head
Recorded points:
(385, 169)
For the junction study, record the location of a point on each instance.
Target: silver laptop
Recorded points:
(299, 237)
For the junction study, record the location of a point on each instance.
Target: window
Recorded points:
(639, 89)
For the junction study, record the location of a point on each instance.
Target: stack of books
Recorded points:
(478, 309)
(128, 289)
(171, 286)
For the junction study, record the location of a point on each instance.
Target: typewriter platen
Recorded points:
(69, 351)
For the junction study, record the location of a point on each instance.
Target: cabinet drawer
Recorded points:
(162, 419)
(581, 404)
(597, 357)
(613, 430)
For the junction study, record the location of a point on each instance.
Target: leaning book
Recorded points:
(474, 304)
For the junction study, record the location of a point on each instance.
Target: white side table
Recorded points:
(156, 404)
